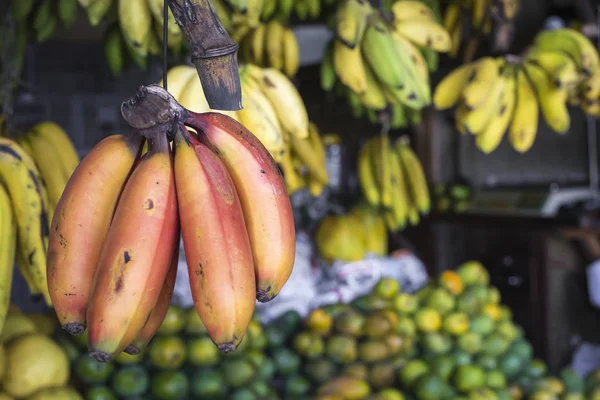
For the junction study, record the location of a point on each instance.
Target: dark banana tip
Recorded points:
(100, 356)
(74, 328)
(227, 347)
(132, 350)
(262, 296)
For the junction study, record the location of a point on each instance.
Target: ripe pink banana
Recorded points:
(80, 224)
(216, 243)
(136, 255)
(263, 196)
(159, 312)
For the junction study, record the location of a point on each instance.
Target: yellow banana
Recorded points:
(448, 91)
(61, 143)
(411, 10)
(274, 44)
(491, 137)
(351, 21)
(415, 178)
(426, 34)
(257, 45)
(136, 23)
(349, 67)
(484, 75)
(291, 53)
(8, 246)
(366, 175)
(23, 184)
(400, 196)
(524, 125)
(552, 99)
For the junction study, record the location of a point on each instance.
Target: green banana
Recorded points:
(113, 50)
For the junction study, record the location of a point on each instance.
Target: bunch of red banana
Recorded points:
(113, 250)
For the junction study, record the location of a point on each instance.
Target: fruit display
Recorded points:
(452, 339)
(392, 180)
(33, 365)
(34, 169)
(482, 19)
(219, 184)
(181, 362)
(350, 237)
(275, 113)
(495, 95)
(379, 63)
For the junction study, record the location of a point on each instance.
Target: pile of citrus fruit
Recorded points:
(181, 362)
(452, 339)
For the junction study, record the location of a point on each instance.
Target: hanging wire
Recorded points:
(165, 41)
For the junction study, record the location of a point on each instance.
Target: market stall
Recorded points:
(299, 199)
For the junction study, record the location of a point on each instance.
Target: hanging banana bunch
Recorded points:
(494, 96)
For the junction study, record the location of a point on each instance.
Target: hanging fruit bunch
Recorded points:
(392, 180)
(218, 184)
(379, 63)
(274, 111)
(470, 21)
(34, 170)
(496, 95)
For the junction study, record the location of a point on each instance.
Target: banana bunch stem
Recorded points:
(213, 52)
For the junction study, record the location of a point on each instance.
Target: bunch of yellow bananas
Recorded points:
(273, 45)
(137, 33)
(349, 237)
(380, 63)
(392, 179)
(494, 95)
(274, 112)
(483, 14)
(34, 170)
(241, 16)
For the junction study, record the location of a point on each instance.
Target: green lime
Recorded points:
(406, 303)
(238, 372)
(441, 300)
(167, 352)
(431, 387)
(495, 379)
(461, 357)
(100, 393)
(482, 324)
(130, 380)
(286, 360)
(243, 394)
(412, 371)
(174, 321)
(89, 371)
(266, 371)
(437, 343)
(342, 349)
(208, 384)
(170, 385)
(127, 359)
(495, 345)
(468, 378)
(442, 366)
(297, 386)
(470, 342)
(202, 352)
(320, 371)
(387, 288)
(193, 323)
(487, 361)
(260, 388)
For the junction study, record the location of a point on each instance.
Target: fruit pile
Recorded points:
(451, 339)
(380, 63)
(34, 169)
(391, 179)
(181, 362)
(483, 16)
(33, 366)
(112, 270)
(350, 237)
(495, 95)
(275, 113)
